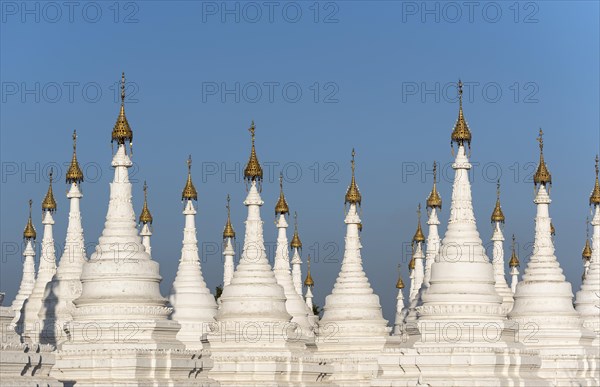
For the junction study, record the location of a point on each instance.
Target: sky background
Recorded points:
(318, 78)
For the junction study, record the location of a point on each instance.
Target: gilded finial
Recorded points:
(29, 232)
(411, 264)
(122, 131)
(353, 195)
(74, 173)
(189, 191)
(309, 280)
(145, 215)
(419, 237)
(49, 204)
(497, 214)
(228, 231)
(514, 260)
(542, 175)
(296, 243)
(253, 170)
(434, 200)
(281, 207)
(461, 132)
(399, 283)
(552, 229)
(595, 196)
(587, 250)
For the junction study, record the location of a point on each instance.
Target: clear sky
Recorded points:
(318, 78)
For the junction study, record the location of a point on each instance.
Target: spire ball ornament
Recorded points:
(228, 231)
(309, 282)
(353, 195)
(145, 215)
(497, 214)
(399, 283)
(434, 200)
(74, 173)
(542, 175)
(296, 243)
(122, 131)
(461, 133)
(49, 204)
(514, 260)
(29, 232)
(281, 207)
(189, 191)
(595, 196)
(419, 236)
(253, 170)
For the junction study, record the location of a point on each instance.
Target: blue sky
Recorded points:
(318, 79)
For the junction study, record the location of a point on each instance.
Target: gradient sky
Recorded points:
(377, 76)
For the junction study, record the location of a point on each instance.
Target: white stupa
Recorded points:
(544, 300)
(514, 267)
(418, 267)
(32, 323)
(434, 205)
(228, 251)
(498, 255)
(296, 246)
(194, 306)
(309, 283)
(294, 303)
(57, 309)
(146, 221)
(587, 301)
(400, 307)
(255, 341)
(352, 322)
(28, 279)
(121, 333)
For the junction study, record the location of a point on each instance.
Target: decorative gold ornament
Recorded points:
(296, 243)
(122, 131)
(49, 204)
(145, 215)
(253, 170)
(189, 191)
(399, 283)
(419, 237)
(514, 260)
(497, 214)
(434, 200)
(461, 132)
(281, 207)
(595, 196)
(353, 194)
(228, 231)
(586, 254)
(309, 280)
(542, 175)
(74, 173)
(411, 264)
(29, 232)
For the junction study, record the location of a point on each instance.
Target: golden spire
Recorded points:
(497, 214)
(353, 194)
(587, 250)
(542, 175)
(49, 204)
(514, 260)
(145, 216)
(595, 196)
(253, 171)
(29, 232)
(419, 237)
(122, 131)
(281, 207)
(434, 200)
(189, 191)
(399, 283)
(228, 232)
(296, 243)
(309, 280)
(411, 263)
(552, 229)
(461, 132)
(74, 173)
